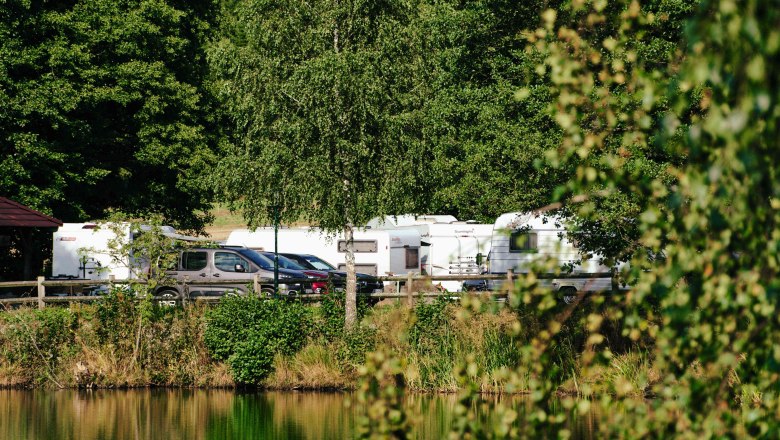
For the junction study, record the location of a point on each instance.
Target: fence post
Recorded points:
(256, 284)
(185, 288)
(510, 281)
(409, 297)
(41, 293)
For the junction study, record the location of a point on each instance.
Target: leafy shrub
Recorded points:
(37, 340)
(430, 333)
(431, 338)
(252, 359)
(332, 309)
(117, 318)
(242, 327)
(354, 344)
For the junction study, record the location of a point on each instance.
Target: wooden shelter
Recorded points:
(20, 221)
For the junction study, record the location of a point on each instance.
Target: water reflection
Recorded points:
(208, 414)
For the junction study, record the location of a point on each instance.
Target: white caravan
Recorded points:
(377, 253)
(521, 239)
(82, 250)
(450, 247)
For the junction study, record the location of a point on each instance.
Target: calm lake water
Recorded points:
(207, 414)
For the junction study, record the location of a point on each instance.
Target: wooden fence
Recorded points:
(74, 288)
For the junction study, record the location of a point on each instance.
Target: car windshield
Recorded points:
(300, 260)
(284, 262)
(257, 258)
(318, 263)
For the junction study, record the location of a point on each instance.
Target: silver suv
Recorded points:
(197, 265)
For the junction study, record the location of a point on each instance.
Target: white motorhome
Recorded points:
(449, 246)
(83, 251)
(522, 239)
(377, 252)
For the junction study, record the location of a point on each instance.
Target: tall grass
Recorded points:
(122, 342)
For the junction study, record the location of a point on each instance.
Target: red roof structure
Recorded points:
(15, 215)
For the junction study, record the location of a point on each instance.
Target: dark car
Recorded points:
(320, 285)
(365, 283)
(475, 286)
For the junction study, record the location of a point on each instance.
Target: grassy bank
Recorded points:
(126, 342)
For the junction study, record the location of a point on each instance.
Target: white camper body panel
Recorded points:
(396, 221)
(452, 246)
(551, 242)
(81, 250)
(377, 252)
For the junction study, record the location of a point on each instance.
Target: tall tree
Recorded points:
(104, 107)
(485, 147)
(324, 97)
(492, 134)
(615, 126)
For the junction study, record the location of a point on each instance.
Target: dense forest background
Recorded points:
(346, 110)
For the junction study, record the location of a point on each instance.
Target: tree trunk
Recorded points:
(350, 315)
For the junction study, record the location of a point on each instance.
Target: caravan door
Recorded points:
(454, 255)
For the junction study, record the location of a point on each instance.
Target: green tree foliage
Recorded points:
(105, 107)
(610, 102)
(483, 146)
(322, 96)
(685, 146)
(714, 330)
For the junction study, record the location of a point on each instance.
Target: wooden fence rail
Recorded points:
(42, 283)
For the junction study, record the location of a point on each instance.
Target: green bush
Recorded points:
(354, 344)
(37, 340)
(431, 331)
(252, 360)
(241, 327)
(332, 309)
(117, 319)
(431, 337)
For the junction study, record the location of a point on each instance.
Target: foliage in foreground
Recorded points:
(705, 304)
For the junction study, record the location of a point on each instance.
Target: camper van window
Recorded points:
(522, 241)
(193, 260)
(360, 246)
(368, 269)
(412, 258)
(227, 262)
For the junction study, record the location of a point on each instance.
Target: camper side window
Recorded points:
(412, 258)
(522, 242)
(360, 245)
(193, 260)
(368, 269)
